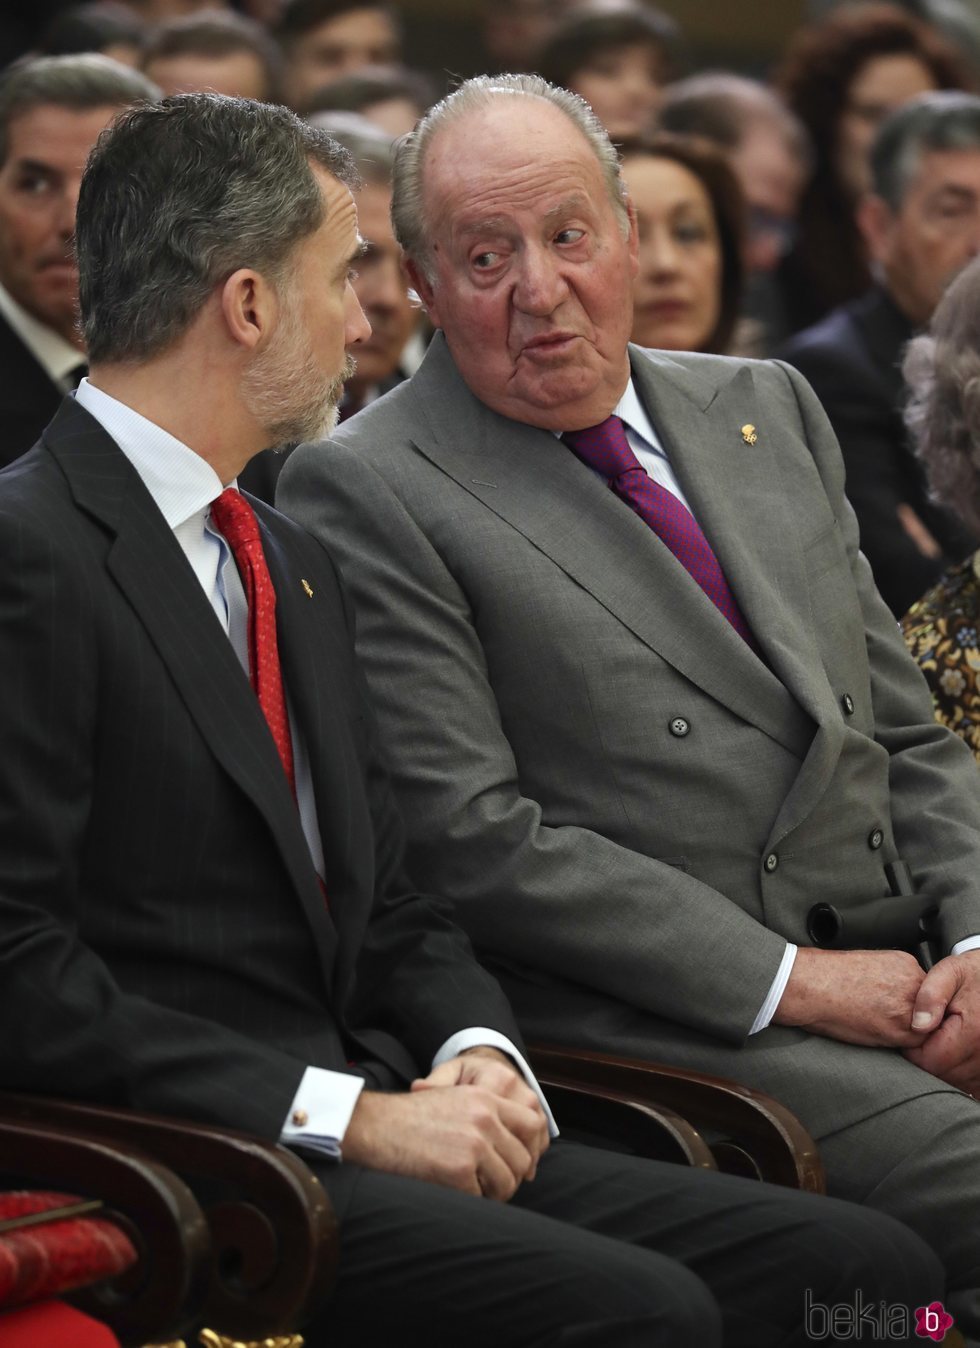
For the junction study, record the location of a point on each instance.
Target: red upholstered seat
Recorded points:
(57, 1255)
(52, 1324)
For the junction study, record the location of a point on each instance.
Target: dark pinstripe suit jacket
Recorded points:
(163, 939)
(29, 396)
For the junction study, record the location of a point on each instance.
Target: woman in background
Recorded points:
(942, 370)
(687, 293)
(842, 77)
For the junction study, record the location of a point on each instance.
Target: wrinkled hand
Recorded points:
(465, 1134)
(948, 1002)
(857, 996)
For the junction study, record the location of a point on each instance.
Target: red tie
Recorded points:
(605, 448)
(234, 517)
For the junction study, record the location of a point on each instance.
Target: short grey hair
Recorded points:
(942, 371)
(480, 92)
(176, 197)
(372, 149)
(80, 82)
(945, 120)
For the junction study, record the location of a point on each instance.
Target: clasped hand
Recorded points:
(472, 1124)
(883, 998)
(947, 1007)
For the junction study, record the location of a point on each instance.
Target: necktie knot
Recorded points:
(235, 518)
(603, 447)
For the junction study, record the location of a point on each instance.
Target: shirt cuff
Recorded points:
(776, 990)
(321, 1110)
(477, 1037)
(967, 943)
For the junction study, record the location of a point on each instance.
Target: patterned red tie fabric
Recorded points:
(605, 449)
(234, 517)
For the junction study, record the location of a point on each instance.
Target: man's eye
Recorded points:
(33, 184)
(569, 235)
(484, 260)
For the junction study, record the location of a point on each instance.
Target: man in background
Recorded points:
(380, 284)
(51, 112)
(922, 225)
(223, 53)
(322, 39)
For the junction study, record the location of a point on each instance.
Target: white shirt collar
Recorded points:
(56, 355)
(631, 410)
(181, 483)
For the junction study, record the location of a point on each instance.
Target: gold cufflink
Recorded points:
(308, 588)
(300, 1118)
(748, 433)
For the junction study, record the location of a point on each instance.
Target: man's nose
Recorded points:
(356, 326)
(65, 211)
(386, 287)
(541, 286)
(973, 243)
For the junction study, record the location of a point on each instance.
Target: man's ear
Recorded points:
(423, 288)
(249, 308)
(875, 220)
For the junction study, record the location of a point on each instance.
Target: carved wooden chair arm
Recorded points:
(603, 1116)
(272, 1229)
(748, 1132)
(162, 1293)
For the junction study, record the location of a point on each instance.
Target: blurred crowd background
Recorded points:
(806, 176)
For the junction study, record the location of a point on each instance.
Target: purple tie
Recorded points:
(606, 449)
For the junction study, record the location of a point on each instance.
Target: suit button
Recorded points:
(679, 727)
(875, 839)
(771, 862)
(847, 702)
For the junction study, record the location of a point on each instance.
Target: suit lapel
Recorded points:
(739, 494)
(147, 564)
(529, 479)
(742, 494)
(314, 670)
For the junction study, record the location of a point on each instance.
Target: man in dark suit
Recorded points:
(202, 906)
(922, 224)
(644, 709)
(51, 111)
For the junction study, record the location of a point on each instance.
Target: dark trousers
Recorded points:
(610, 1251)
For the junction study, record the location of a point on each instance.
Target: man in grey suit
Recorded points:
(640, 733)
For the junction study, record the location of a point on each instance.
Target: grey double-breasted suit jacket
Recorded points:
(631, 809)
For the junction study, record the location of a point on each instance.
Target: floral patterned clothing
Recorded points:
(941, 631)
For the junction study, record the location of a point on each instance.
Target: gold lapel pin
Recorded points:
(748, 433)
(308, 588)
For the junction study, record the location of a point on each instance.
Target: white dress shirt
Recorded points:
(183, 486)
